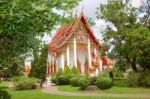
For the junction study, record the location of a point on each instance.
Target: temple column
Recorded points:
(75, 51)
(100, 65)
(95, 52)
(49, 63)
(89, 53)
(62, 61)
(47, 69)
(68, 60)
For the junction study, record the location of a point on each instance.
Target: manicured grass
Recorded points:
(114, 89)
(37, 94)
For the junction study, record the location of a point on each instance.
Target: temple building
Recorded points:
(75, 44)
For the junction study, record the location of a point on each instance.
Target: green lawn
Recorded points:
(114, 89)
(37, 94)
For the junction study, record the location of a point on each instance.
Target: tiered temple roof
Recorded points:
(65, 32)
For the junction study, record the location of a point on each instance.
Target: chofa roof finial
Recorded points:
(76, 13)
(82, 8)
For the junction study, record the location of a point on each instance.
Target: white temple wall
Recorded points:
(71, 56)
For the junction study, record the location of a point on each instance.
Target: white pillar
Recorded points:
(89, 52)
(100, 64)
(75, 51)
(49, 57)
(95, 52)
(57, 64)
(68, 60)
(49, 61)
(47, 68)
(62, 61)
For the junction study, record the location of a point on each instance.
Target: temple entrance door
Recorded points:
(81, 56)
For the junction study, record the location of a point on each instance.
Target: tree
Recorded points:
(131, 40)
(24, 22)
(38, 69)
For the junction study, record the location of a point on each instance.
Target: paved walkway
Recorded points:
(53, 90)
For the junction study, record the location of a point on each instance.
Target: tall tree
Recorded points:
(131, 37)
(39, 64)
(24, 22)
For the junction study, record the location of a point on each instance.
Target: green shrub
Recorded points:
(67, 70)
(104, 82)
(105, 73)
(133, 78)
(141, 79)
(63, 79)
(54, 79)
(24, 83)
(4, 95)
(60, 72)
(84, 83)
(147, 80)
(74, 81)
(144, 79)
(117, 73)
(121, 82)
(74, 70)
(93, 80)
(16, 78)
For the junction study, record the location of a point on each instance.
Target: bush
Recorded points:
(4, 95)
(74, 70)
(141, 79)
(147, 79)
(144, 79)
(67, 70)
(74, 81)
(133, 78)
(16, 78)
(104, 82)
(60, 72)
(84, 83)
(117, 73)
(24, 83)
(121, 82)
(105, 73)
(54, 79)
(63, 79)
(93, 80)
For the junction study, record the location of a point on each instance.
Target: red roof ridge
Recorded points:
(66, 31)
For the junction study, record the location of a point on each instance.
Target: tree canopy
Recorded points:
(130, 43)
(24, 22)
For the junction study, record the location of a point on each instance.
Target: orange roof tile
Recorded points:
(64, 33)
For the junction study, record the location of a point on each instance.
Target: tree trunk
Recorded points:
(133, 64)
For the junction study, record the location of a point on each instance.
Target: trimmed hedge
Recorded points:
(141, 79)
(84, 83)
(93, 80)
(104, 82)
(64, 79)
(121, 82)
(25, 83)
(133, 79)
(54, 79)
(4, 95)
(74, 81)
(74, 70)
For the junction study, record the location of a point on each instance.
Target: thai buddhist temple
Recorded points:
(27, 68)
(75, 44)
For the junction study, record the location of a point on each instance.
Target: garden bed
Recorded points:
(114, 89)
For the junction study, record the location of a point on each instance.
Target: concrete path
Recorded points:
(53, 90)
